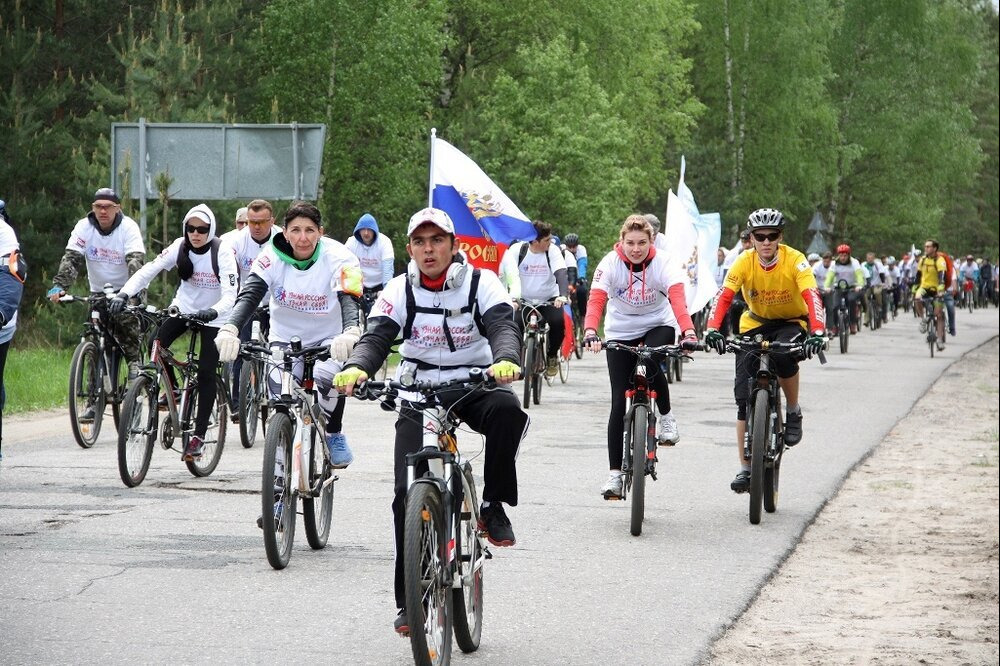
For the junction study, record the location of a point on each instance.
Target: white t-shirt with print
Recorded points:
(245, 248)
(538, 280)
(637, 302)
(105, 255)
(371, 257)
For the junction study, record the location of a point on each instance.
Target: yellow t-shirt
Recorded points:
(930, 269)
(774, 293)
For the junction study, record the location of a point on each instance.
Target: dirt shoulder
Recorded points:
(901, 566)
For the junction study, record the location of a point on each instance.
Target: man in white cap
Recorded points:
(451, 318)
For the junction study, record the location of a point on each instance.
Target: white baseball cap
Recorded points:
(241, 214)
(434, 216)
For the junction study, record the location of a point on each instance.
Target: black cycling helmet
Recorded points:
(766, 218)
(572, 240)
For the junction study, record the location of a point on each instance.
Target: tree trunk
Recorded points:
(730, 121)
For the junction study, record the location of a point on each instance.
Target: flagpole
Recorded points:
(430, 179)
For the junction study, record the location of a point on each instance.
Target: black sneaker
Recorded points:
(87, 416)
(195, 447)
(495, 526)
(401, 624)
(741, 483)
(793, 428)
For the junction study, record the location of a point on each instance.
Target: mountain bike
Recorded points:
(98, 373)
(253, 396)
(534, 346)
(443, 550)
(639, 428)
(140, 424)
(764, 442)
(296, 463)
(930, 321)
(843, 314)
(577, 323)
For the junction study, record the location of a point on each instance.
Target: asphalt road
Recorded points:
(174, 570)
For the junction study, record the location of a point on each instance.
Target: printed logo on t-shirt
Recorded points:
(302, 302)
(263, 261)
(430, 336)
(203, 280)
(103, 255)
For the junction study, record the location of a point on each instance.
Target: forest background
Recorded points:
(880, 114)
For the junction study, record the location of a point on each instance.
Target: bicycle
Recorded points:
(98, 373)
(140, 421)
(639, 427)
(253, 396)
(843, 321)
(577, 323)
(930, 321)
(443, 550)
(534, 346)
(763, 442)
(296, 463)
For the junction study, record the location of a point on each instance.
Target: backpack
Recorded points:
(949, 268)
(412, 309)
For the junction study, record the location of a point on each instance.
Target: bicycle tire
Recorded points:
(317, 523)
(137, 430)
(428, 600)
(248, 404)
(761, 419)
(578, 337)
(637, 428)
(843, 331)
(529, 370)
(118, 371)
(773, 468)
(215, 434)
(563, 368)
(678, 373)
(278, 525)
(467, 601)
(86, 388)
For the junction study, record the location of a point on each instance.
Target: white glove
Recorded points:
(341, 346)
(560, 301)
(227, 341)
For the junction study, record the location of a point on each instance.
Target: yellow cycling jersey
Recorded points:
(774, 293)
(931, 269)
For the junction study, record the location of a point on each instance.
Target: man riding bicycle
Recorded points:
(930, 283)
(374, 250)
(846, 268)
(451, 318)
(109, 244)
(783, 304)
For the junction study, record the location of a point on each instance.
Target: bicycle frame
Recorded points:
(535, 326)
(766, 380)
(299, 400)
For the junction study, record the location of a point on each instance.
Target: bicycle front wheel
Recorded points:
(758, 443)
(428, 600)
(277, 501)
(843, 330)
(317, 512)
(563, 368)
(529, 370)
(118, 371)
(468, 600)
(86, 394)
(248, 403)
(137, 430)
(215, 434)
(636, 433)
(678, 365)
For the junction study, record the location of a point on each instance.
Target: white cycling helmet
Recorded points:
(766, 218)
(813, 256)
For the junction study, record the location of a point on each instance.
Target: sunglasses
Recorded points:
(257, 223)
(767, 237)
(191, 229)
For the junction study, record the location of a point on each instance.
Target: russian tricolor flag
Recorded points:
(486, 220)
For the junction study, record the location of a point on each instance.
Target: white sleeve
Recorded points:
(387, 251)
(77, 242)
(142, 277)
(491, 291)
(602, 276)
(133, 237)
(556, 259)
(228, 279)
(392, 302)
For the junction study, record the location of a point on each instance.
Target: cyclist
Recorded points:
(575, 254)
(13, 272)
(846, 268)
(241, 220)
(374, 250)
(451, 318)
(644, 294)
(875, 280)
(109, 244)
(986, 272)
(968, 276)
(535, 270)
(206, 292)
(820, 269)
(246, 243)
(314, 284)
(929, 281)
(783, 304)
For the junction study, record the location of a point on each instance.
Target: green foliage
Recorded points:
(21, 374)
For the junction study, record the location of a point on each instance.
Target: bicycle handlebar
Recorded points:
(372, 390)
(313, 353)
(642, 350)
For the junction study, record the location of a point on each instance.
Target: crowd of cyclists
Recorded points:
(443, 317)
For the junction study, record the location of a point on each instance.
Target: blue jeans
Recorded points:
(949, 304)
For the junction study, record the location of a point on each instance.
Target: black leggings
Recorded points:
(208, 360)
(620, 367)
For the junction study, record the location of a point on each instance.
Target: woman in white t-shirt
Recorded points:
(206, 293)
(644, 294)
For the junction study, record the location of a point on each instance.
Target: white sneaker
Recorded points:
(666, 430)
(612, 488)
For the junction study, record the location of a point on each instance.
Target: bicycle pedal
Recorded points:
(487, 554)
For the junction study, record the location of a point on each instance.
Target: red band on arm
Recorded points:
(722, 302)
(817, 315)
(679, 303)
(595, 308)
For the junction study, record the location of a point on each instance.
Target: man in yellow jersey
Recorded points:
(783, 305)
(929, 283)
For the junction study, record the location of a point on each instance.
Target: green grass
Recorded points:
(36, 378)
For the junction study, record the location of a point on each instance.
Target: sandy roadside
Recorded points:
(901, 566)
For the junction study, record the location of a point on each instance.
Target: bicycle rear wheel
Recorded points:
(529, 370)
(249, 404)
(468, 599)
(317, 512)
(86, 394)
(563, 368)
(137, 430)
(578, 337)
(761, 419)
(428, 600)
(636, 433)
(773, 469)
(118, 371)
(215, 434)
(277, 501)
